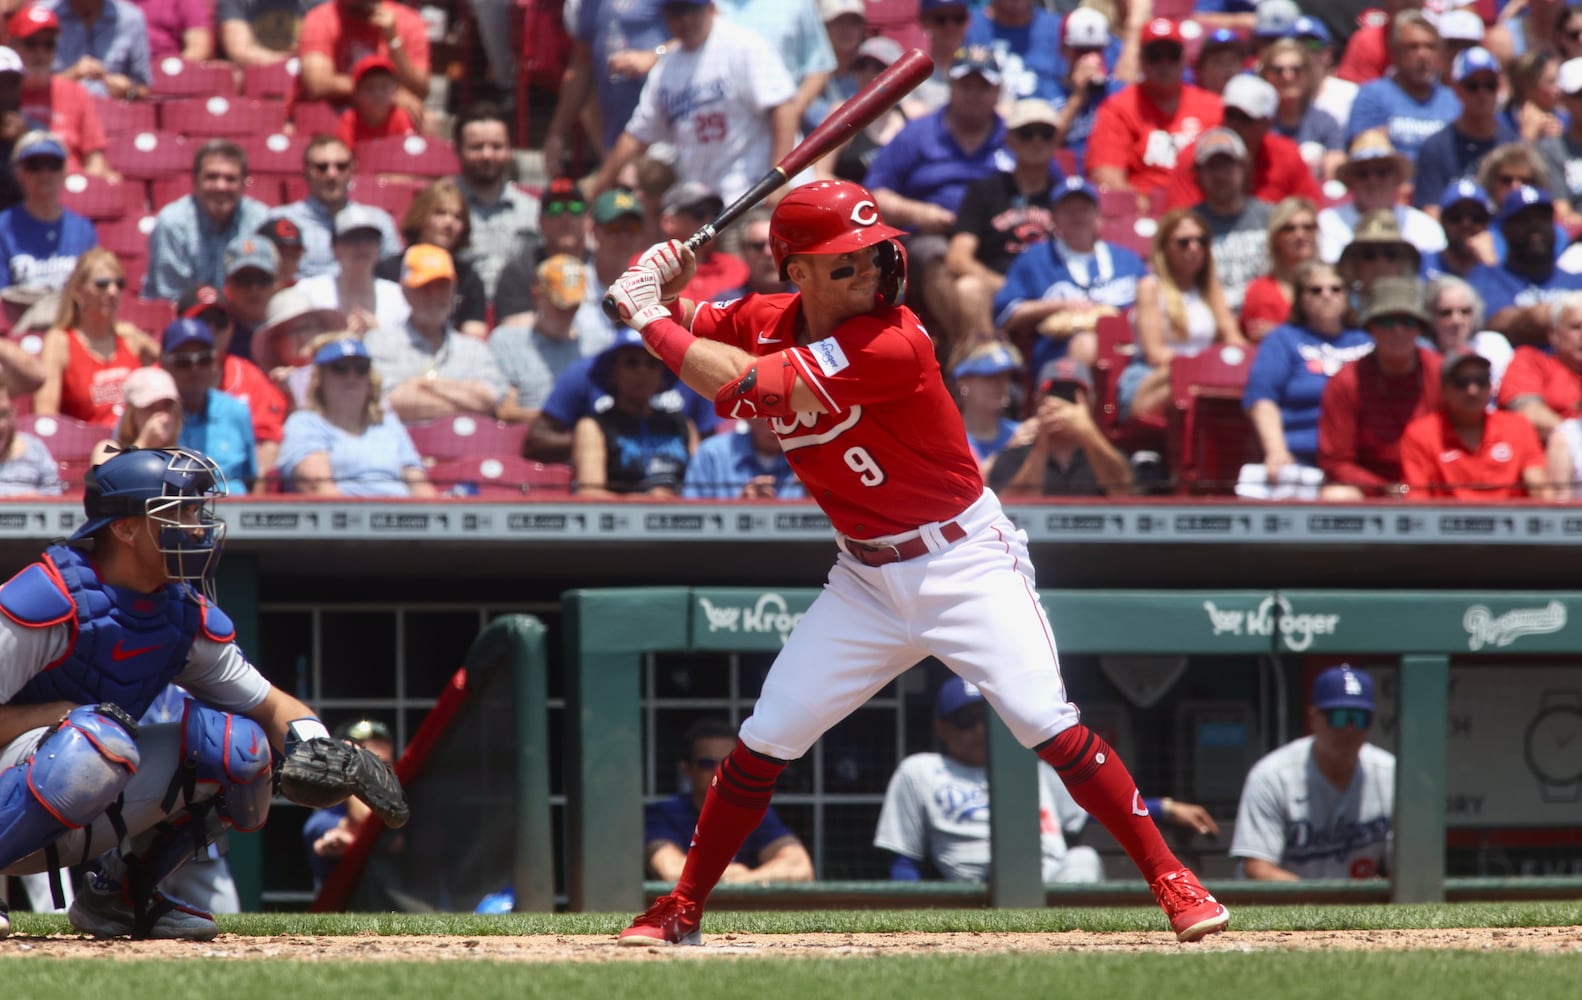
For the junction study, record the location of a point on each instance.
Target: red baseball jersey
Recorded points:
(890, 453)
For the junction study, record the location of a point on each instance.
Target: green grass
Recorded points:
(1104, 919)
(1264, 976)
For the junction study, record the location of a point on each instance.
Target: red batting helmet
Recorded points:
(826, 217)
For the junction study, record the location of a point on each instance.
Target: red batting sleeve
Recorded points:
(1419, 455)
(1337, 432)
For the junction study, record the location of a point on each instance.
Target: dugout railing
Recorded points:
(607, 632)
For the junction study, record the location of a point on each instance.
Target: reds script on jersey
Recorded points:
(891, 453)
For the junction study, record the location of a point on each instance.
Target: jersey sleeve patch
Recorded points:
(828, 355)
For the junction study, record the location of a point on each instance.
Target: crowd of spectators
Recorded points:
(1366, 227)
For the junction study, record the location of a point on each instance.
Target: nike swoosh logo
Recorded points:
(764, 338)
(118, 654)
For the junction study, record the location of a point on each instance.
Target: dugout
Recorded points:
(607, 632)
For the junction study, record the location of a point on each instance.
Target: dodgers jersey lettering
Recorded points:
(891, 453)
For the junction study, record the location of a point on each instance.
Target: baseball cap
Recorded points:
(282, 233)
(691, 194)
(371, 64)
(989, 359)
(1310, 27)
(1460, 26)
(1275, 18)
(954, 695)
(345, 347)
(363, 730)
(1343, 687)
(1571, 76)
(1219, 38)
(563, 191)
(184, 331)
(355, 217)
(614, 204)
(1459, 358)
(10, 62)
(1064, 370)
(1087, 28)
(250, 252)
(1075, 184)
(1474, 60)
(565, 278)
(290, 304)
(1031, 111)
(625, 337)
(979, 59)
(931, 5)
(425, 262)
(1162, 29)
(1219, 142)
(1464, 189)
(829, 10)
(1252, 95)
(194, 302)
(31, 20)
(38, 143)
(1523, 198)
(147, 386)
(880, 49)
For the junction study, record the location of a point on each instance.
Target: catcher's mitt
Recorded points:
(323, 772)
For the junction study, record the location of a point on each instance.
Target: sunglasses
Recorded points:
(1295, 70)
(869, 66)
(966, 719)
(105, 284)
(325, 166)
(1388, 255)
(1477, 86)
(756, 246)
(1340, 718)
(185, 362)
(948, 17)
(1453, 311)
(635, 359)
(1470, 381)
(42, 164)
(1512, 180)
(1373, 173)
(350, 366)
(623, 227)
(1459, 217)
(1572, 34)
(1188, 242)
(1395, 323)
(252, 279)
(1035, 133)
(1324, 289)
(554, 208)
(1299, 227)
(38, 43)
(1162, 53)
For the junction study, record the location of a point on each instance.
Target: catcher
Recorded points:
(89, 635)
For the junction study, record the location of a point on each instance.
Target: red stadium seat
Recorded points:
(167, 189)
(221, 117)
(1210, 435)
(127, 238)
(277, 154)
(100, 200)
(121, 117)
(311, 118)
(149, 315)
(408, 155)
(466, 436)
(392, 195)
(150, 155)
(1116, 349)
(277, 80)
(292, 189)
(176, 77)
(499, 477)
(545, 49)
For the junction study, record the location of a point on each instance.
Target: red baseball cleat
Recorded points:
(673, 919)
(1194, 914)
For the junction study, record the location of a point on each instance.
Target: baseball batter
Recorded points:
(927, 565)
(1321, 806)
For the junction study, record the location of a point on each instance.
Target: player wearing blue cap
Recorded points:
(1320, 806)
(90, 635)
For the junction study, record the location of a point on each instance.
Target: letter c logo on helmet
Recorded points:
(865, 213)
(826, 217)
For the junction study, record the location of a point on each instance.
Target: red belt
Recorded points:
(884, 555)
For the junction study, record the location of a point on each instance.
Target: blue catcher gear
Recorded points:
(175, 489)
(74, 776)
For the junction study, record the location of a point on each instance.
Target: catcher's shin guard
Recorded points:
(73, 777)
(227, 750)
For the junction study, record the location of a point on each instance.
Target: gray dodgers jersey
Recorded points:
(1292, 816)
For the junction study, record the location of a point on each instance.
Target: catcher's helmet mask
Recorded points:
(176, 490)
(835, 217)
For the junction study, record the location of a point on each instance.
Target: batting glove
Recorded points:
(636, 296)
(674, 264)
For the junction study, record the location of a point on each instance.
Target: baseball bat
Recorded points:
(857, 112)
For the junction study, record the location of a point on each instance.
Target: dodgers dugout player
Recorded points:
(927, 565)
